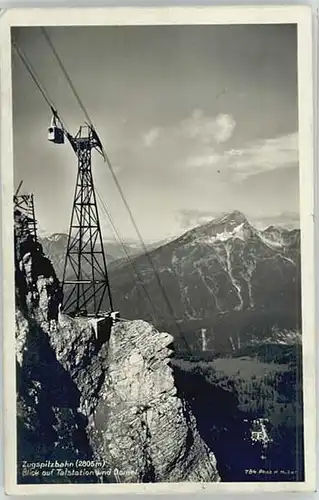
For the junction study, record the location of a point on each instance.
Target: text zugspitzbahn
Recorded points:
(67, 468)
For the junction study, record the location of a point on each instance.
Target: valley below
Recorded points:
(249, 410)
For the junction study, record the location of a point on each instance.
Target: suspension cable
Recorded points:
(125, 250)
(30, 69)
(33, 75)
(133, 267)
(66, 75)
(146, 252)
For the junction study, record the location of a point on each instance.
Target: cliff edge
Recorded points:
(113, 402)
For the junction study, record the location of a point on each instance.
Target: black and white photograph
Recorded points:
(159, 322)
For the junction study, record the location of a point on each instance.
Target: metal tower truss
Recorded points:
(25, 204)
(86, 287)
(85, 279)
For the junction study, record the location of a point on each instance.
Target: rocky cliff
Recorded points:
(111, 408)
(151, 434)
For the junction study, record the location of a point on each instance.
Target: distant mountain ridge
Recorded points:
(223, 274)
(55, 247)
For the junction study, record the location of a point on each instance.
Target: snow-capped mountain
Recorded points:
(222, 274)
(283, 237)
(55, 247)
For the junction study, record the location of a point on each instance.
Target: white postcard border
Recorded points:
(157, 16)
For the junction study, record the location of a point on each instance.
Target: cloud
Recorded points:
(199, 142)
(198, 129)
(207, 129)
(257, 157)
(203, 161)
(189, 218)
(288, 220)
(151, 136)
(225, 126)
(192, 217)
(266, 155)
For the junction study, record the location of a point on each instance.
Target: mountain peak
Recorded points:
(228, 225)
(232, 217)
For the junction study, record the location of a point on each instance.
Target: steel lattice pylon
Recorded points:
(85, 278)
(25, 204)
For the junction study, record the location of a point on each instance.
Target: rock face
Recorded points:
(112, 400)
(151, 434)
(49, 424)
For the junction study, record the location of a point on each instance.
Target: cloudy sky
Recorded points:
(196, 121)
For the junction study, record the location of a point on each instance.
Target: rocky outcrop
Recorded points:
(80, 398)
(137, 422)
(49, 424)
(38, 291)
(151, 434)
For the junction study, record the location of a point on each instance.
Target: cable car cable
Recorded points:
(30, 69)
(33, 75)
(166, 299)
(131, 262)
(64, 71)
(125, 250)
(134, 268)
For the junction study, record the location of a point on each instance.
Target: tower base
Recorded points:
(102, 325)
